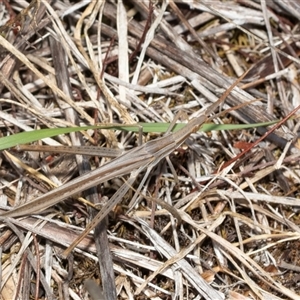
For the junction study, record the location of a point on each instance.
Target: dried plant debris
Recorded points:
(190, 228)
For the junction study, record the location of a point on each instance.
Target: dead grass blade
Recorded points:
(117, 62)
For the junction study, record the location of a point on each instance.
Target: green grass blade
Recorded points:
(162, 127)
(35, 135)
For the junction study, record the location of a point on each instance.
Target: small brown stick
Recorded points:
(21, 274)
(193, 31)
(11, 12)
(38, 267)
(106, 61)
(261, 138)
(142, 39)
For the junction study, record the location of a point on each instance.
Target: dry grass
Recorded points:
(212, 233)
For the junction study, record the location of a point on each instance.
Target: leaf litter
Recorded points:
(196, 231)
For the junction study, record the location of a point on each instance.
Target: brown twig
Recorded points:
(21, 275)
(38, 267)
(261, 138)
(146, 28)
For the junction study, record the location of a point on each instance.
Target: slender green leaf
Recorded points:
(35, 135)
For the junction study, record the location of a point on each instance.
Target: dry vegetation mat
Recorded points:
(118, 213)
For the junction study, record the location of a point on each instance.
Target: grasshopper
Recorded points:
(132, 162)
